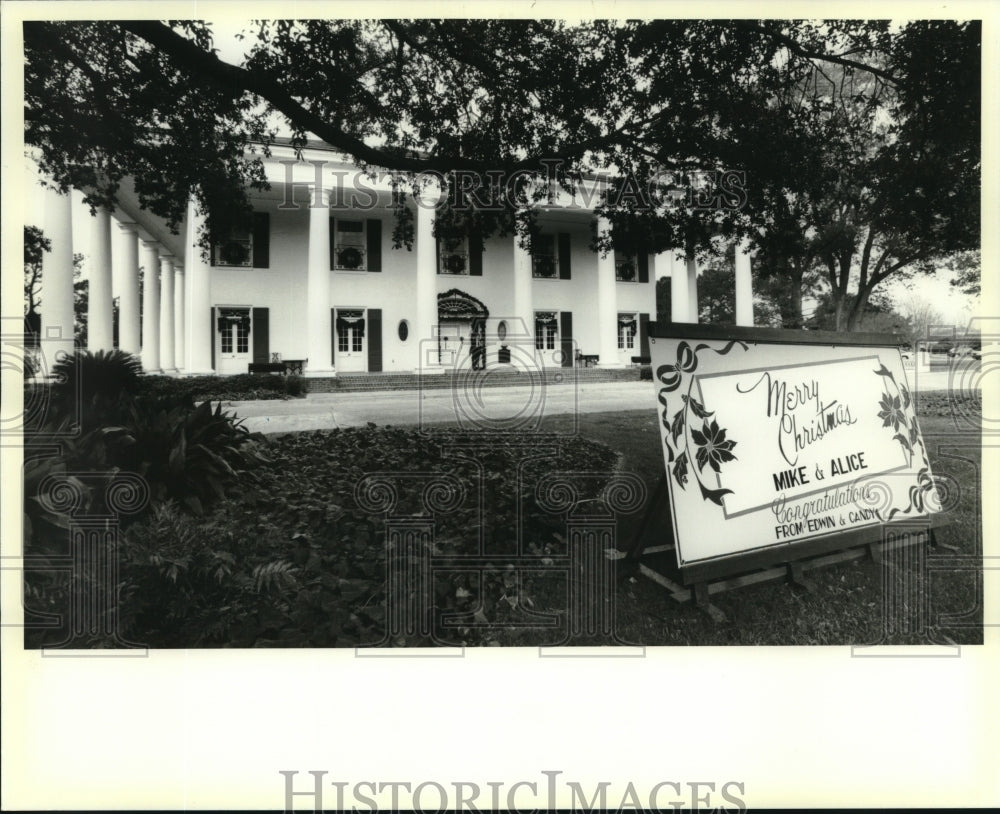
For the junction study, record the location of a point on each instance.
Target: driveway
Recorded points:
(492, 407)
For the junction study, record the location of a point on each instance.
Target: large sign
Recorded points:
(771, 438)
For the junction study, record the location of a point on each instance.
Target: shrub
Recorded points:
(242, 387)
(295, 385)
(95, 388)
(192, 456)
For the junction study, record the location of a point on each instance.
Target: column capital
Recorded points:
(128, 226)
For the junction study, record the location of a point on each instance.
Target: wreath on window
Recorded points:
(226, 321)
(454, 264)
(234, 253)
(349, 258)
(545, 266)
(626, 271)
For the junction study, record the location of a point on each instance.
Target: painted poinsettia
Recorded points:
(713, 448)
(891, 412)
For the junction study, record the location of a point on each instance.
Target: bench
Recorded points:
(284, 367)
(640, 360)
(587, 359)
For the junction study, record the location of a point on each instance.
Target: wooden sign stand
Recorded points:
(828, 550)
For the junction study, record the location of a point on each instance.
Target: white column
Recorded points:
(426, 287)
(744, 285)
(150, 258)
(100, 315)
(178, 317)
(607, 304)
(127, 259)
(57, 278)
(679, 300)
(692, 281)
(318, 302)
(199, 333)
(167, 314)
(523, 323)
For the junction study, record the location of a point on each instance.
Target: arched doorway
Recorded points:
(461, 330)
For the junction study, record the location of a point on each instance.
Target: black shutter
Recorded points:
(644, 335)
(566, 337)
(333, 243)
(564, 269)
(261, 240)
(333, 338)
(261, 339)
(475, 256)
(215, 328)
(374, 331)
(643, 263)
(374, 244)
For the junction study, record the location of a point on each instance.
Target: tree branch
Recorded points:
(799, 50)
(238, 80)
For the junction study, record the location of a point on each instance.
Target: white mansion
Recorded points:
(322, 284)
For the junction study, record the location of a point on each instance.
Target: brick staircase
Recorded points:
(355, 382)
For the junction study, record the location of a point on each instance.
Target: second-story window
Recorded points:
(350, 244)
(545, 257)
(453, 257)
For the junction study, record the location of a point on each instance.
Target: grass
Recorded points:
(298, 557)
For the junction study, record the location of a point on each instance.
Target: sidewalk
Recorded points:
(486, 407)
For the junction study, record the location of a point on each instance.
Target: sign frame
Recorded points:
(765, 556)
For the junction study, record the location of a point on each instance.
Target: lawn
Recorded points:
(297, 554)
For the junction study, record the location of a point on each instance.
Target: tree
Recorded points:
(921, 316)
(879, 317)
(967, 267)
(523, 101)
(35, 245)
(896, 187)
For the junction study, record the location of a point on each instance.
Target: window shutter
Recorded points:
(564, 269)
(566, 336)
(333, 336)
(261, 331)
(333, 243)
(374, 331)
(644, 335)
(211, 313)
(261, 240)
(374, 238)
(475, 256)
(643, 263)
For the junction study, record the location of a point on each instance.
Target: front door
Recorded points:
(232, 340)
(351, 342)
(454, 343)
(548, 350)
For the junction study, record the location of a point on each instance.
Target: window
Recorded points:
(546, 330)
(349, 245)
(544, 257)
(404, 330)
(236, 250)
(453, 257)
(627, 326)
(242, 337)
(626, 269)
